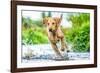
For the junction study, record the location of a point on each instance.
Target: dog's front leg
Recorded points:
(63, 45)
(54, 46)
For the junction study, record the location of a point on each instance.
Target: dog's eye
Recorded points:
(53, 23)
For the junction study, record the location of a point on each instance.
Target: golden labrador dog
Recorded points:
(55, 33)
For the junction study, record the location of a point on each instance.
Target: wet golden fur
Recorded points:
(55, 33)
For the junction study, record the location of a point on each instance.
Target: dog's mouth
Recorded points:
(52, 31)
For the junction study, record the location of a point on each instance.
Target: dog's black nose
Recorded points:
(50, 30)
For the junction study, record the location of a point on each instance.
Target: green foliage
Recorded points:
(79, 34)
(81, 39)
(35, 36)
(33, 32)
(27, 22)
(78, 19)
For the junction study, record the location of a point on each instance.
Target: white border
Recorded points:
(41, 64)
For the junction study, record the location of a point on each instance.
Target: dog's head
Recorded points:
(52, 23)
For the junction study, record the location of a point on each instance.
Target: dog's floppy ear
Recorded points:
(45, 20)
(57, 20)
